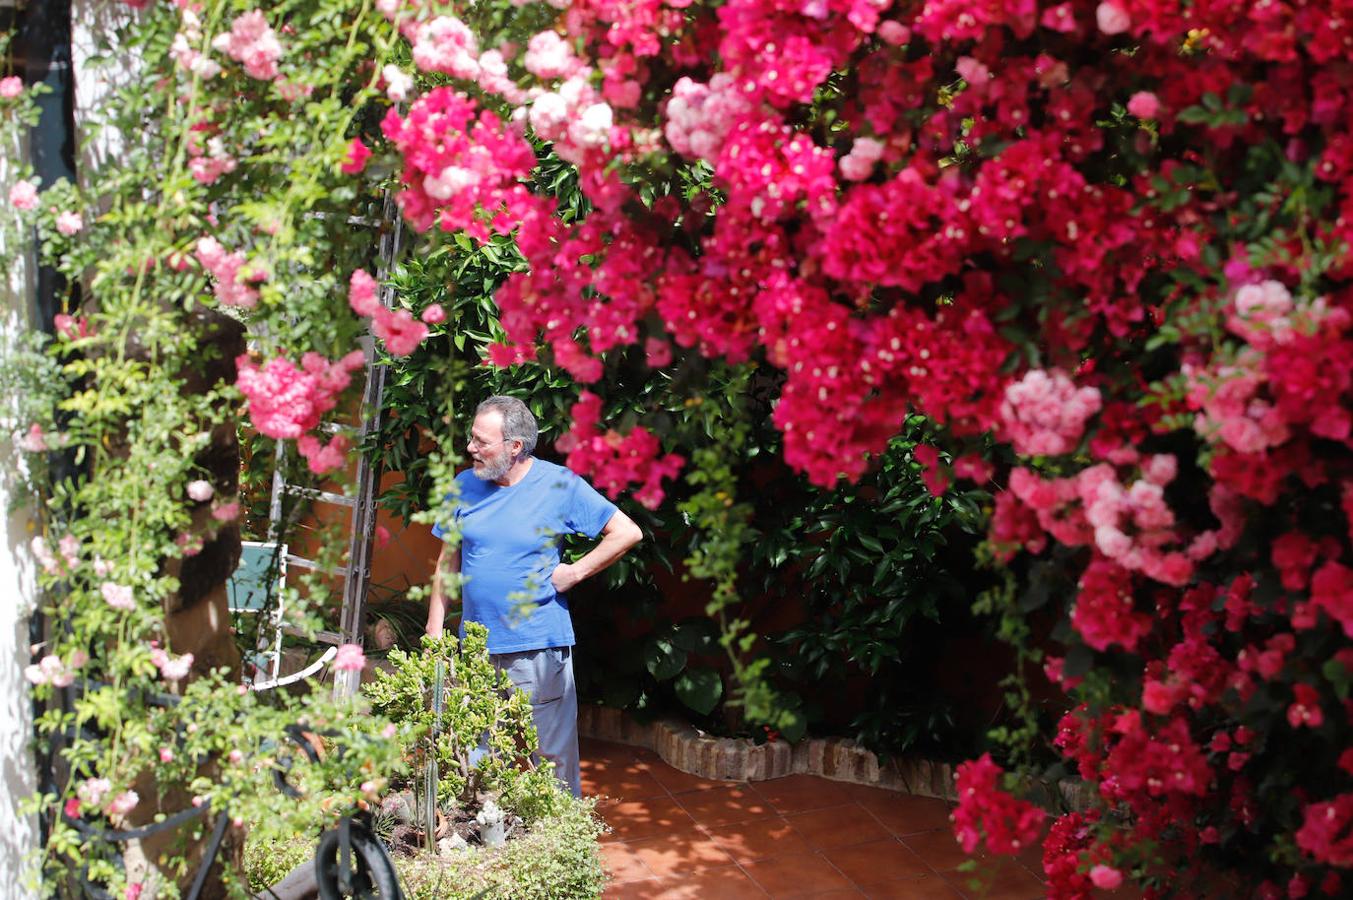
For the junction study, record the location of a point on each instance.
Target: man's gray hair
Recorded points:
(518, 423)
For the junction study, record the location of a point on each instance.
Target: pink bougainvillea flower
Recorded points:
(350, 658)
(987, 814)
(355, 160)
(1325, 834)
(118, 596)
(382, 536)
(24, 195)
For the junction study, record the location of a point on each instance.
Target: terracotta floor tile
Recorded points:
(759, 838)
(920, 887)
(838, 826)
(938, 848)
(649, 889)
(797, 875)
(590, 748)
(636, 819)
(724, 805)
(902, 813)
(876, 861)
(728, 883)
(798, 793)
(677, 781)
(679, 853)
(623, 863)
(620, 782)
(1002, 879)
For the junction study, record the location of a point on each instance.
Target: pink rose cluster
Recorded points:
(286, 400)
(1044, 413)
(53, 670)
(614, 462)
(400, 331)
(233, 280)
(251, 42)
(172, 668)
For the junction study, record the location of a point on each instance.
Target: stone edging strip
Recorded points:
(737, 759)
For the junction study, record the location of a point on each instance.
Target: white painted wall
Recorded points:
(18, 835)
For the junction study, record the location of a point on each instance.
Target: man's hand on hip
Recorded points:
(564, 577)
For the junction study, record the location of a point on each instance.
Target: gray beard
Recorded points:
(493, 471)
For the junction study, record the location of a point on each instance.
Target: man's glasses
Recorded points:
(477, 444)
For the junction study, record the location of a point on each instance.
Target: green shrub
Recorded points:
(556, 859)
(481, 708)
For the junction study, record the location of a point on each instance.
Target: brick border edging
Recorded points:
(686, 748)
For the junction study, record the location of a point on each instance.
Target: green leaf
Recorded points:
(662, 659)
(700, 689)
(696, 635)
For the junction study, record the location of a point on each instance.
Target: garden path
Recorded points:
(675, 836)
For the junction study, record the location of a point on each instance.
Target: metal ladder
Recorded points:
(356, 574)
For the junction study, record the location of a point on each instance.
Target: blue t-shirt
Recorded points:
(510, 545)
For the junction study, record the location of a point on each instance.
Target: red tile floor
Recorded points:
(675, 836)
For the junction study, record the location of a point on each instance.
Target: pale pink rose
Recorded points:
(69, 547)
(975, 73)
(226, 512)
(123, 803)
(398, 84)
(200, 490)
(91, 791)
(236, 757)
(34, 441)
(893, 32)
(69, 223)
(11, 87)
(118, 596)
(166, 755)
(171, 668)
(24, 195)
(434, 314)
(1112, 18)
(1106, 878)
(350, 658)
(1144, 105)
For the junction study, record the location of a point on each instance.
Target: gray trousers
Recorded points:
(547, 678)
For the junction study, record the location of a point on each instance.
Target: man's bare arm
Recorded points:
(448, 563)
(619, 535)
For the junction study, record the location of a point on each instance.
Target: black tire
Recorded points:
(373, 874)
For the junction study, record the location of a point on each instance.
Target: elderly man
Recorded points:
(512, 510)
